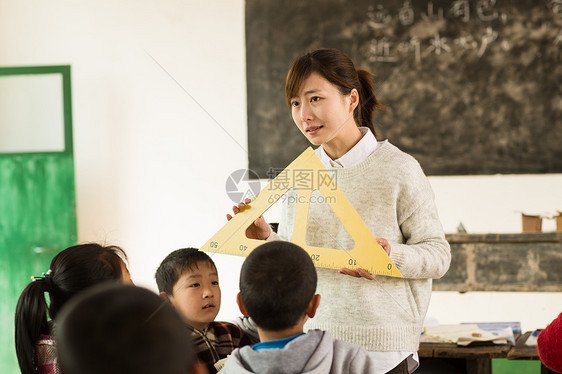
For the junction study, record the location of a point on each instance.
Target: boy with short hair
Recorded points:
(277, 290)
(188, 278)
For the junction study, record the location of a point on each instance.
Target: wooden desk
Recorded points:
(478, 359)
(521, 351)
(525, 352)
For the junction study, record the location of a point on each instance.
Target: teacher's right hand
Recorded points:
(259, 229)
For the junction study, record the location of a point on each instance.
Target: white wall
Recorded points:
(160, 122)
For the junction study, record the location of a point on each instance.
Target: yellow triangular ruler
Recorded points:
(306, 174)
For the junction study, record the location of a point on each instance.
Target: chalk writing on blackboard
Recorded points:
(470, 86)
(385, 49)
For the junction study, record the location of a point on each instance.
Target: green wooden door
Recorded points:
(37, 199)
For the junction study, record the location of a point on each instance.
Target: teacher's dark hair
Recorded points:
(338, 69)
(72, 271)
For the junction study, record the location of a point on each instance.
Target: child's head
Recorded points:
(72, 271)
(122, 329)
(189, 279)
(277, 285)
(80, 267)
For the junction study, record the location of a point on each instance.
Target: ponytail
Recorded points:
(72, 271)
(368, 102)
(31, 322)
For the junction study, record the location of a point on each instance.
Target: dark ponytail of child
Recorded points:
(72, 271)
(31, 322)
(368, 102)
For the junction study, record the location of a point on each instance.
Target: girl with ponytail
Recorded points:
(333, 103)
(72, 271)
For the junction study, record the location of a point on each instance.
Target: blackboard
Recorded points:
(470, 87)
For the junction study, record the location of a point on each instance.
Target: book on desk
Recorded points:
(469, 333)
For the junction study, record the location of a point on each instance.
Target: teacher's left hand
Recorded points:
(362, 273)
(358, 273)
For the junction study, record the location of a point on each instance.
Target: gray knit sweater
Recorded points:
(394, 198)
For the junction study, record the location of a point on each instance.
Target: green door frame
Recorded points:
(37, 212)
(64, 70)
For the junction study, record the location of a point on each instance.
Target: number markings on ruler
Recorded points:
(367, 254)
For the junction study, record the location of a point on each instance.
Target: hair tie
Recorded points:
(46, 274)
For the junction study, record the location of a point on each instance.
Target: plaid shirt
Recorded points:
(217, 341)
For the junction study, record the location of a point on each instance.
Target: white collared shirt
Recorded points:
(360, 151)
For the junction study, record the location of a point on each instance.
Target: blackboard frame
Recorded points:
(492, 106)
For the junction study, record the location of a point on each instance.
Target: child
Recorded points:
(72, 271)
(188, 278)
(549, 345)
(277, 290)
(114, 329)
